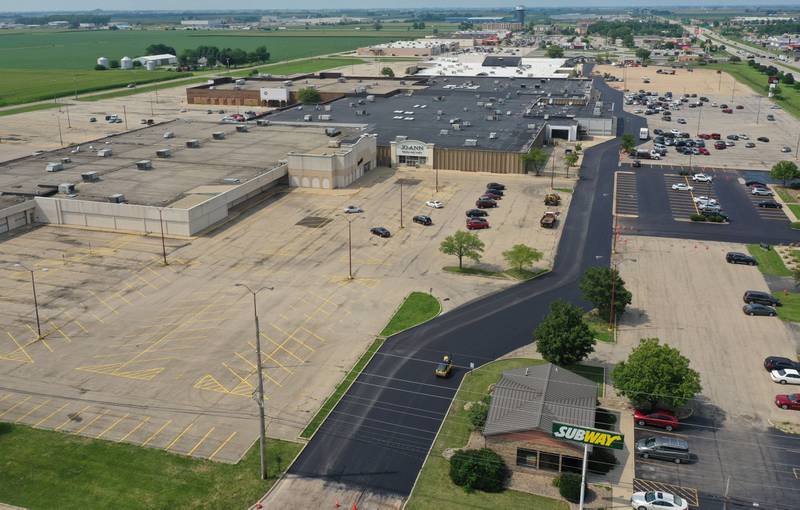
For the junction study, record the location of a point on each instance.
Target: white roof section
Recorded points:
(164, 56)
(418, 43)
(472, 65)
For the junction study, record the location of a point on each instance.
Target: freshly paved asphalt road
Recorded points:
(379, 434)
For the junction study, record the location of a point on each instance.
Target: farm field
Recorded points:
(37, 65)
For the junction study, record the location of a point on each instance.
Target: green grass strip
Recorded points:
(43, 469)
(417, 308)
(769, 262)
(30, 108)
(790, 311)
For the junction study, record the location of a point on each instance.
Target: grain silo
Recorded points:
(126, 63)
(150, 65)
(103, 61)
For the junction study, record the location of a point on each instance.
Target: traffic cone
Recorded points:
(355, 507)
(259, 505)
(337, 504)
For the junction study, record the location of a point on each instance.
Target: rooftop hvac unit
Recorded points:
(466, 123)
(546, 116)
(144, 164)
(327, 107)
(164, 153)
(334, 144)
(531, 126)
(492, 135)
(218, 135)
(231, 180)
(308, 118)
(169, 134)
(66, 160)
(371, 98)
(116, 198)
(456, 127)
(193, 144)
(444, 131)
(470, 142)
(55, 167)
(508, 112)
(479, 104)
(90, 176)
(66, 188)
(241, 128)
(439, 112)
(352, 104)
(341, 79)
(104, 153)
(490, 117)
(323, 117)
(401, 138)
(408, 118)
(262, 122)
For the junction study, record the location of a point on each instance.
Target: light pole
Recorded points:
(260, 396)
(350, 248)
(401, 203)
(163, 244)
(437, 179)
(35, 300)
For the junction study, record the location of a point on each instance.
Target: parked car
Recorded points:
(711, 208)
(681, 121)
(770, 204)
(485, 203)
(716, 136)
(701, 178)
(763, 139)
(786, 148)
(763, 192)
(664, 448)
(749, 145)
(496, 191)
(496, 185)
(657, 500)
(739, 107)
(637, 164)
(422, 219)
(730, 143)
(788, 401)
(704, 200)
(444, 367)
(657, 418)
(720, 146)
(727, 110)
(476, 213)
(491, 195)
(762, 298)
(352, 209)
(743, 136)
(770, 117)
(680, 186)
(477, 223)
(757, 184)
(761, 310)
(732, 137)
(735, 257)
(777, 362)
(435, 204)
(380, 232)
(785, 376)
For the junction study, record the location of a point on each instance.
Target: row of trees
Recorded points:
(623, 29)
(468, 245)
(225, 56)
(536, 157)
(785, 78)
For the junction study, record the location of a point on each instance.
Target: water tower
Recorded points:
(519, 14)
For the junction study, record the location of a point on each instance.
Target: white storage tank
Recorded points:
(150, 65)
(126, 63)
(103, 61)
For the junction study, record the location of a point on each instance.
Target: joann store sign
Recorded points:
(411, 148)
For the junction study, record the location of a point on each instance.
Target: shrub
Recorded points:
(601, 460)
(697, 217)
(98, 67)
(478, 413)
(715, 219)
(796, 225)
(482, 469)
(569, 486)
(684, 172)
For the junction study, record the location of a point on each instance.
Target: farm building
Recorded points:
(160, 60)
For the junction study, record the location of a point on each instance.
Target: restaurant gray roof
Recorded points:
(534, 397)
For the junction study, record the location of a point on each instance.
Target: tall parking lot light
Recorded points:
(35, 300)
(260, 395)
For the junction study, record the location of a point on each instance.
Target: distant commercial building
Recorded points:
(502, 25)
(417, 48)
(160, 60)
(201, 23)
(478, 64)
(519, 14)
(58, 23)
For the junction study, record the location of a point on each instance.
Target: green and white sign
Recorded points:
(587, 435)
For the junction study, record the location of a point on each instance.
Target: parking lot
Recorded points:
(685, 294)
(625, 201)
(164, 356)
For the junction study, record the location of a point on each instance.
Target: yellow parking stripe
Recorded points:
(220, 447)
(184, 431)
(134, 429)
(49, 416)
(92, 421)
(201, 441)
(31, 411)
(156, 433)
(15, 406)
(112, 426)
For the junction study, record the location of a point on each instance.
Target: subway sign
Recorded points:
(587, 435)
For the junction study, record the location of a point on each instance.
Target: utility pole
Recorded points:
(60, 138)
(260, 394)
(437, 180)
(350, 248)
(583, 474)
(35, 300)
(125, 116)
(163, 244)
(797, 149)
(613, 296)
(553, 171)
(69, 124)
(759, 108)
(401, 204)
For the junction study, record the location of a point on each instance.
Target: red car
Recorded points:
(719, 146)
(477, 224)
(716, 136)
(703, 151)
(489, 196)
(727, 110)
(704, 136)
(656, 418)
(484, 203)
(788, 401)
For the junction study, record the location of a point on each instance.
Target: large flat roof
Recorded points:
(479, 64)
(424, 114)
(173, 180)
(331, 85)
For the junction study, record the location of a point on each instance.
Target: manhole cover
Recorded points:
(314, 221)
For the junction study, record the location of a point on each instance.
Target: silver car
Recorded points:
(656, 500)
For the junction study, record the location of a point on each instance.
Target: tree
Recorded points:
(627, 41)
(598, 285)
(377, 25)
(785, 171)
(569, 486)
(578, 147)
(137, 63)
(160, 49)
(309, 95)
(114, 64)
(522, 256)
(571, 159)
(99, 67)
(554, 51)
(627, 142)
(796, 276)
(788, 79)
(462, 244)
(478, 412)
(563, 337)
(482, 469)
(643, 55)
(656, 375)
(536, 157)
(734, 58)
(387, 71)
(260, 54)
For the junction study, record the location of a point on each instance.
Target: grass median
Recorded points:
(514, 274)
(417, 308)
(743, 73)
(434, 489)
(45, 469)
(769, 262)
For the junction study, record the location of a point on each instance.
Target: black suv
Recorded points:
(777, 363)
(761, 298)
(380, 232)
(734, 257)
(477, 213)
(423, 220)
(495, 185)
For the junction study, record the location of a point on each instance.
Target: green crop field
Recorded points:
(43, 64)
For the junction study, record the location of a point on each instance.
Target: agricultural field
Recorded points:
(42, 64)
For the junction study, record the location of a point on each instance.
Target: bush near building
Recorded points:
(482, 470)
(569, 486)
